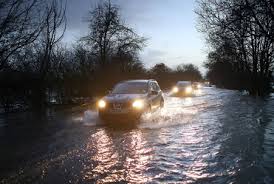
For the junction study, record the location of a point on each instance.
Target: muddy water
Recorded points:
(216, 136)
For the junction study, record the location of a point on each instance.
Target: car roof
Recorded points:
(183, 82)
(138, 81)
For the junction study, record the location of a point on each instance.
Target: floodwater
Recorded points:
(217, 136)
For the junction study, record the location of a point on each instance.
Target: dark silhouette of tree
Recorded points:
(168, 77)
(244, 29)
(52, 32)
(109, 35)
(188, 72)
(28, 34)
(20, 25)
(159, 69)
(161, 73)
(114, 45)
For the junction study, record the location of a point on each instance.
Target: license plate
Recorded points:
(117, 107)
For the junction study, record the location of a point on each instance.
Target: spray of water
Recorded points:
(168, 116)
(176, 111)
(89, 118)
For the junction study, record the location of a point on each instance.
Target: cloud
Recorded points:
(153, 56)
(169, 25)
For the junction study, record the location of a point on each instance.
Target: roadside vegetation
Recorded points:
(37, 70)
(240, 35)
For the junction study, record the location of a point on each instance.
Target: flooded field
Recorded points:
(216, 136)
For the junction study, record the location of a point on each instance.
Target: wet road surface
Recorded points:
(217, 136)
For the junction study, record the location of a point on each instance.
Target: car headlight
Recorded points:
(175, 90)
(199, 86)
(188, 89)
(138, 104)
(102, 104)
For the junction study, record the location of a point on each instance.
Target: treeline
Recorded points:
(241, 38)
(36, 69)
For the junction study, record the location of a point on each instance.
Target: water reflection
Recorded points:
(218, 137)
(198, 92)
(118, 156)
(188, 101)
(104, 156)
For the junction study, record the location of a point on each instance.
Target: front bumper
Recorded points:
(122, 114)
(182, 93)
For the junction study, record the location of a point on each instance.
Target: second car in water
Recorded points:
(130, 99)
(182, 88)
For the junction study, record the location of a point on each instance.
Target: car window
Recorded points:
(183, 83)
(130, 88)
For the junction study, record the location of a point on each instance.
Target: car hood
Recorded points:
(183, 87)
(124, 97)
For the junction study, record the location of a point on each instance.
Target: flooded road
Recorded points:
(217, 136)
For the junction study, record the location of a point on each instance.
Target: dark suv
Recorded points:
(130, 99)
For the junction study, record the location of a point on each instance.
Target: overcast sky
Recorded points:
(170, 26)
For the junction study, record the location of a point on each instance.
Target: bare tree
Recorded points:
(20, 25)
(109, 35)
(53, 31)
(188, 72)
(247, 25)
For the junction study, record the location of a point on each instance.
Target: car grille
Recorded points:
(119, 105)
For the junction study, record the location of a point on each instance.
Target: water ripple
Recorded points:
(218, 136)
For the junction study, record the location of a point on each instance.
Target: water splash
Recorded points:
(91, 118)
(167, 117)
(88, 118)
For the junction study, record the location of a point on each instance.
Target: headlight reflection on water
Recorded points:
(103, 158)
(117, 160)
(188, 101)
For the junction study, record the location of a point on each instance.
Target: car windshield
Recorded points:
(183, 83)
(130, 88)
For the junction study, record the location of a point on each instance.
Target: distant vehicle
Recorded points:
(196, 85)
(182, 88)
(207, 84)
(130, 99)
